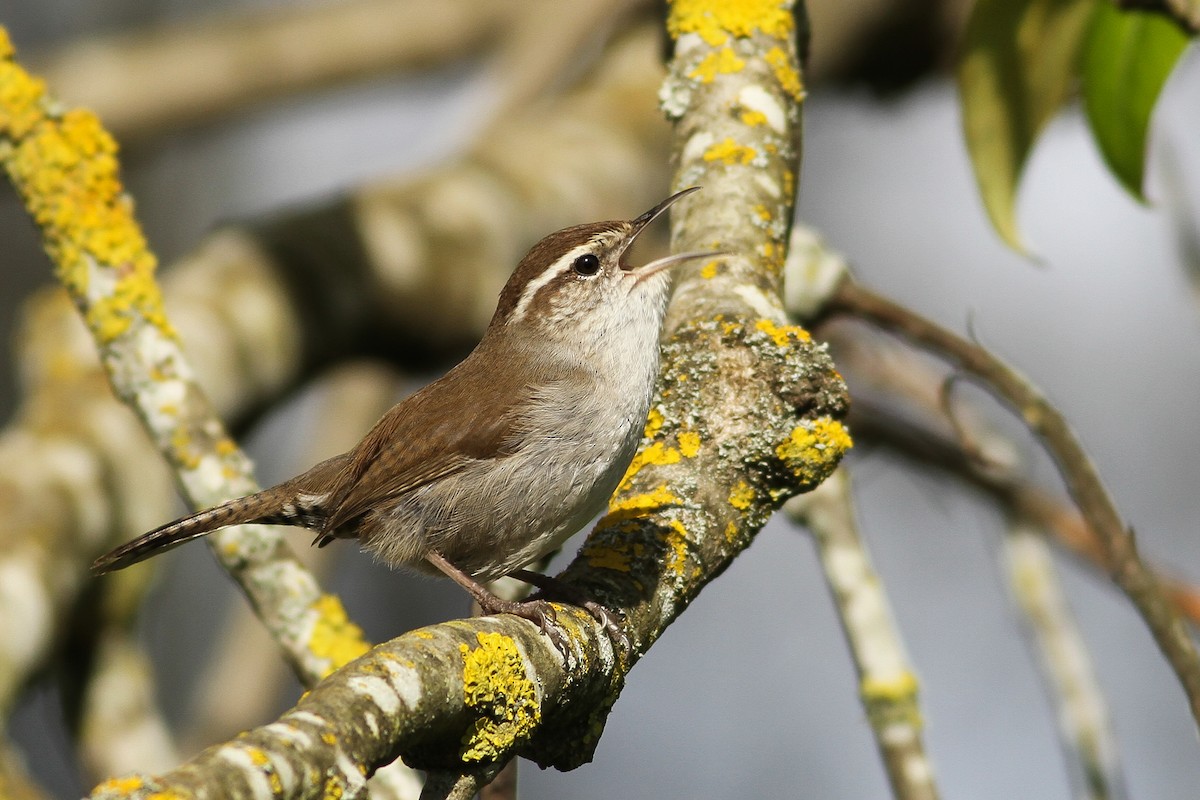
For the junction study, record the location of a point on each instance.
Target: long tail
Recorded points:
(266, 506)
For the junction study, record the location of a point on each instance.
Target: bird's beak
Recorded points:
(658, 265)
(641, 222)
(666, 262)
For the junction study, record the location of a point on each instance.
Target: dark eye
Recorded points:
(586, 264)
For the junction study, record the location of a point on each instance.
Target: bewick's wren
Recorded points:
(497, 463)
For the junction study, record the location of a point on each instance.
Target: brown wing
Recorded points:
(434, 433)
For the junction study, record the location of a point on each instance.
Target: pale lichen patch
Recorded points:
(756, 100)
(253, 765)
(377, 690)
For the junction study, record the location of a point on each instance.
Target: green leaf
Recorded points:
(1017, 70)
(1126, 60)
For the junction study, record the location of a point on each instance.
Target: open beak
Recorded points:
(658, 265)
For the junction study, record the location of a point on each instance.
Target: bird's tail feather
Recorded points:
(263, 507)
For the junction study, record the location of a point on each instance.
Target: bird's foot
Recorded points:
(537, 611)
(612, 621)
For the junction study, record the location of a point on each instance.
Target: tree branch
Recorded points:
(888, 685)
(63, 164)
(1082, 480)
(1083, 719)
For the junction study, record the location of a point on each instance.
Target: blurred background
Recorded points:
(751, 692)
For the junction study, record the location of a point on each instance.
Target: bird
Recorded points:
(494, 465)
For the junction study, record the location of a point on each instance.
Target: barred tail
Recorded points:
(268, 506)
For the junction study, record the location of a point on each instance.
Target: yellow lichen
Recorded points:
(497, 688)
(65, 168)
(689, 444)
(784, 335)
(334, 788)
(730, 152)
(259, 758)
(675, 537)
(334, 638)
(723, 61)
(621, 509)
(741, 496)
(716, 20)
(786, 72)
(183, 448)
(656, 453)
(731, 532)
(601, 557)
(902, 687)
(814, 448)
(118, 785)
(709, 270)
(753, 118)
(654, 422)
(21, 96)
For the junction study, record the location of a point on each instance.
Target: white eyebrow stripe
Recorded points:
(559, 267)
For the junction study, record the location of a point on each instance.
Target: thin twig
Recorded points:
(1083, 719)
(1079, 473)
(887, 684)
(1057, 517)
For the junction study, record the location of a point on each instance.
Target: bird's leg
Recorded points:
(551, 586)
(539, 612)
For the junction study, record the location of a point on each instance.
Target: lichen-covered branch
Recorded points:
(888, 685)
(63, 164)
(421, 261)
(1079, 473)
(747, 415)
(1083, 721)
(434, 252)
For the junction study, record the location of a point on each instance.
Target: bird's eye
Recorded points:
(586, 264)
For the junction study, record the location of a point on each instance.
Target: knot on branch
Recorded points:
(766, 395)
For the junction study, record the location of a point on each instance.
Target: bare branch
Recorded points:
(887, 683)
(1082, 480)
(1082, 710)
